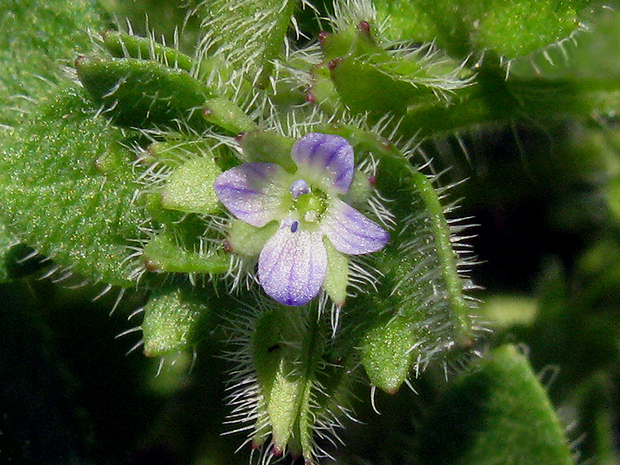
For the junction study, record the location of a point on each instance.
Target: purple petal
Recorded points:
(253, 192)
(352, 233)
(327, 158)
(292, 265)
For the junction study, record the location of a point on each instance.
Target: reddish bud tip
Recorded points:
(228, 246)
(152, 265)
(80, 60)
(372, 180)
(364, 26)
(277, 451)
(207, 112)
(239, 137)
(333, 64)
(310, 97)
(322, 36)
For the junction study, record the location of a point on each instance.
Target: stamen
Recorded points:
(299, 188)
(294, 226)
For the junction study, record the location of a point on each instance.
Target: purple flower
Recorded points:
(293, 263)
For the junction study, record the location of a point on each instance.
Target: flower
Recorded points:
(306, 204)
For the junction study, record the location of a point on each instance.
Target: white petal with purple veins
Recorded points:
(253, 192)
(327, 159)
(292, 265)
(351, 232)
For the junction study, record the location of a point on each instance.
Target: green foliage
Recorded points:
(289, 353)
(110, 145)
(497, 413)
(36, 40)
(510, 28)
(189, 187)
(123, 45)
(66, 174)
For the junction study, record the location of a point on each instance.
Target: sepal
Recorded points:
(177, 318)
(189, 188)
(118, 84)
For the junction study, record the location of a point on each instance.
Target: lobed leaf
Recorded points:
(66, 186)
(510, 28)
(36, 40)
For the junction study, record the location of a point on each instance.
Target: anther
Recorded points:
(299, 188)
(294, 226)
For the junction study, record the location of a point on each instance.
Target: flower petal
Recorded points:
(351, 232)
(253, 192)
(326, 158)
(292, 265)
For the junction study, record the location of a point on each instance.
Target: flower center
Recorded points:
(309, 202)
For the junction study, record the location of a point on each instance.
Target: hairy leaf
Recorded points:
(497, 413)
(66, 186)
(36, 40)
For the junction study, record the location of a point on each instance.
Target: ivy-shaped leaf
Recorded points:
(510, 28)
(36, 39)
(66, 186)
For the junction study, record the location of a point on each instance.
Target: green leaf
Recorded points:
(227, 115)
(36, 39)
(386, 352)
(303, 385)
(268, 147)
(337, 275)
(370, 78)
(248, 35)
(58, 198)
(510, 27)
(496, 413)
(164, 254)
(248, 240)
